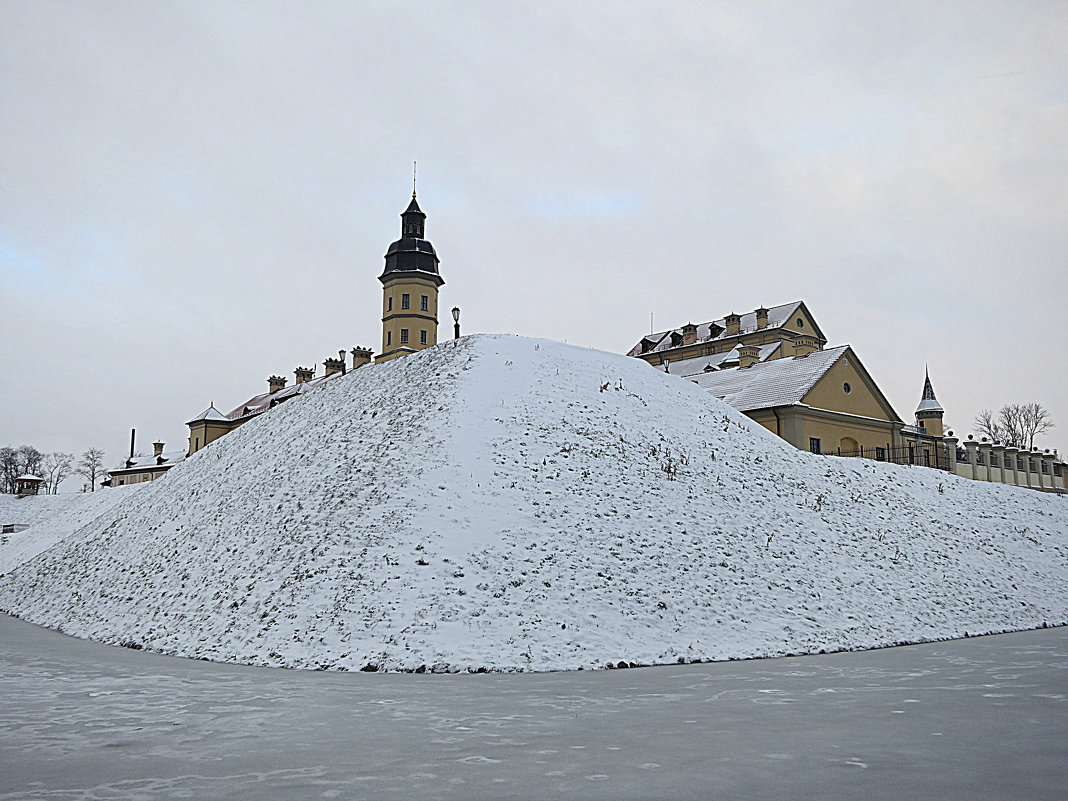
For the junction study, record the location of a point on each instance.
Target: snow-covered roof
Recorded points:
(258, 404)
(701, 364)
(211, 413)
(779, 382)
(717, 329)
(29, 477)
(139, 463)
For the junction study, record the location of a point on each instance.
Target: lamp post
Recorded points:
(456, 322)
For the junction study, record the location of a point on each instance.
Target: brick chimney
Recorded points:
(157, 449)
(304, 374)
(748, 355)
(734, 324)
(689, 334)
(762, 318)
(361, 356)
(804, 345)
(333, 366)
(275, 383)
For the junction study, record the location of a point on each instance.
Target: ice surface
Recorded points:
(970, 720)
(512, 504)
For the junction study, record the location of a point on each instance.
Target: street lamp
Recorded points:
(456, 322)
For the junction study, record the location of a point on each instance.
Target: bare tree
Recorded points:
(1016, 424)
(92, 465)
(57, 466)
(15, 462)
(1010, 421)
(987, 424)
(9, 470)
(1034, 420)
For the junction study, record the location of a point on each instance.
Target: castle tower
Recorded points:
(929, 412)
(410, 285)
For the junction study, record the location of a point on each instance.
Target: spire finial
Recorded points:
(413, 178)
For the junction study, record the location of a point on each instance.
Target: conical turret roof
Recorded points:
(928, 403)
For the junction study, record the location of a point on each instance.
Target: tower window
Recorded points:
(404, 335)
(424, 304)
(389, 303)
(389, 338)
(422, 337)
(405, 300)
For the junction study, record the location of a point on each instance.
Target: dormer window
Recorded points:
(676, 339)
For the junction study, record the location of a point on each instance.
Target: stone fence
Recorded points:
(983, 460)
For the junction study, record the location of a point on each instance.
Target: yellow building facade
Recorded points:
(773, 366)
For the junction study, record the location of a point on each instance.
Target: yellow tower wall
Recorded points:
(414, 319)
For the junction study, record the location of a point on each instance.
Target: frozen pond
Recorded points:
(970, 719)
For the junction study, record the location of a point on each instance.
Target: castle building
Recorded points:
(772, 365)
(138, 469)
(410, 283)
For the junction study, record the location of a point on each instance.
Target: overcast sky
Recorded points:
(196, 195)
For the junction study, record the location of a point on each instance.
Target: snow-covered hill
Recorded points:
(50, 518)
(511, 504)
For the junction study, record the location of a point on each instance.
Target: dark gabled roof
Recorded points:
(717, 329)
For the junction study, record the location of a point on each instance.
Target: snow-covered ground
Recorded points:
(512, 504)
(50, 518)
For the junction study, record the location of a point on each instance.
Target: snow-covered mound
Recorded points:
(515, 504)
(49, 518)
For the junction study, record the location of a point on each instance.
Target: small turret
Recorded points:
(929, 412)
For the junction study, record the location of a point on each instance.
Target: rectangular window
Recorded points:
(389, 338)
(422, 337)
(880, 454)
(405, 300)
(404, 335)
(424, 304)
(814, 445)
(389, 303)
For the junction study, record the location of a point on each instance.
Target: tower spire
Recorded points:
(413, 178)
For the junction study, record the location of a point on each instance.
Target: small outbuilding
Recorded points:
(28, 485)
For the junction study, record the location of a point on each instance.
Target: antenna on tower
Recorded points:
(413, 178)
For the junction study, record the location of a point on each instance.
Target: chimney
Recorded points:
(304, 374)
(361, 356)
(734, 324)
(275, 383)
(333, 366)
(748, 355)
(762, 318)
(133, 434)
(689, 334)
(805, 345)
(157, 449)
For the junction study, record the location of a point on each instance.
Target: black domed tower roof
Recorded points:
(411, 254)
